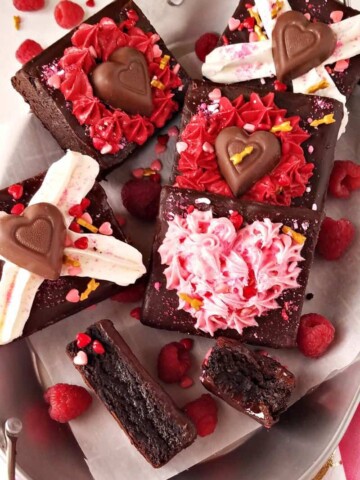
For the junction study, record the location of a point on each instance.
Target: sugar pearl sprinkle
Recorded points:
(181, 147)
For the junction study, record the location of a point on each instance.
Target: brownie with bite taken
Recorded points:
(225, 267)
(106, 87)
(145, 412)
(250, 381)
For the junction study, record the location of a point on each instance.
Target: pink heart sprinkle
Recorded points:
(336, 16)
(249, 127)
(73, 296)
(156, 165)
(181, 147)
(68, 241)
(307, 16)
(138, 172)
(173, 131)
(87, 218)
(74, 271)
(54, 81)
(253, 37)
(215, 94)
(207, 147)
(157, 51)
(81, 358)
(157, 286)
(233, 24)
(105, 229)
(341, 65)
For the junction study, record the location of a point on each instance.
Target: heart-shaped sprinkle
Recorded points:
(181, 147)
(243, 159)
(35, 241)
(73, 296)
(299, 45)
(82, 340)
(74, 271)
(215, 94)
(336, 16)
(81, 358)
(105, 229)
(207, 147)
(123, 81)
(234, 24)
(98, 347)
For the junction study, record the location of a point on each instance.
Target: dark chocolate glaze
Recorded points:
(160, 307)
(50, 304)
(319, 9)
(323, 139)
(146, 413)
(50, 106)
(251, 382)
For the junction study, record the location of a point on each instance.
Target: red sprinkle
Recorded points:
(85, 203)
(136, 313)
(75, 227)
(206, 44)
(27, 51)
(335, 238)
(249, 23)
(68, 14)
(315, 335)
(279, 86)
(203, 412)
(90, 3)
(156, 165)
(82, 340)
(173, 362)
(76, 211)
(225, 40)
(190, 209)
(159, 148)
(186, 382)
(98, 347)
(163, 139)
(188, 343)
(16, 191)
(156, 178)
(81, 243)
(17, 209)
(236, 219)
(28, 5)
(345, 177)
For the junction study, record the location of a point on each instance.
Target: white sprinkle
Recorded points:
(249, 127)
(314, 206)
(305, 225)
(181, 147)
(308, 189)
(203, 200)
(106, 149)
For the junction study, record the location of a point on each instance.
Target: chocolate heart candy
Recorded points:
(123, 81)
(265, 155)
(35, 241)
(299, 45)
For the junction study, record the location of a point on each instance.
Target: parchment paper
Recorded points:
(28, 149)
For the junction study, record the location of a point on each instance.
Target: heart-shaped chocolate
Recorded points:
(35, 241)
(265, 155)
(299, 45)
(123, 81)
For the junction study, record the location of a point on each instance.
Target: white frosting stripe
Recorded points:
(67, 182)
(239, 62)
(113, 260)
(348, 39)
(18, 288)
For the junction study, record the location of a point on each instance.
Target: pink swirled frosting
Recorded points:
(233, 276)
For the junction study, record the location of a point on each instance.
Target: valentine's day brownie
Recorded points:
(250, 381)
(146, 413)
(309, 46)
(272, 148)
(61, 248)
(106, 87)
(225, 267)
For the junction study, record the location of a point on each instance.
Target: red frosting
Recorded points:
(110, 128)
(198, 169)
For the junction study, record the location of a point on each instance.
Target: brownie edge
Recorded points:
(251, 382)
(144, 411)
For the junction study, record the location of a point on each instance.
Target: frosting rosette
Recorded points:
(198, 167)
(112, 128)
(227, 278)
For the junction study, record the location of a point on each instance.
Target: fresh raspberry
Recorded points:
(335, 238)
(203, 413)
(68, 14)
(131, 294)
(345, 177)
(315, 335)
(205, 44)
(27, 51)
(141, 198)
(28, 5)
(173, 362)
(67, 401)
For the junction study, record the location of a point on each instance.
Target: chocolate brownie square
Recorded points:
(225, 267)
(146, 413)
(90, 266)
(345, 74)
(215, 116)
(106, 87)
(250, 381)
